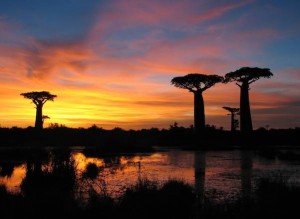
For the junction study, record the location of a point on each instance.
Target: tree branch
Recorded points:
(188, 88)
(35, 102)
(238, 85)
(250, 82)
(205, 88)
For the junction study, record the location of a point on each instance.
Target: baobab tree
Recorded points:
(244, 77)
(197, 84)
(39, 99)
(233, 112)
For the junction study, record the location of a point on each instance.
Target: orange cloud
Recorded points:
(113, 82)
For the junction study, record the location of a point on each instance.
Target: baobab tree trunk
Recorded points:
(199, 114)
(246, 121)
(39, 117)
(232, 122)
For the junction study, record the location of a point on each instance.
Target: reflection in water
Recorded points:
(224, 173)
(13, 182)
(199, 165)
(82, 161)
(55, 172)
(246, 173)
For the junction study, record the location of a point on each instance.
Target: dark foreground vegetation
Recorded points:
(119, 140)
(174, 199)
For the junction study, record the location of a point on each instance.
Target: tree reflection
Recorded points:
(246, 162)
(199, 165)
(50, 180)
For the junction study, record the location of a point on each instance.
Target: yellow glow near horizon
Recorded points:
(109, 109)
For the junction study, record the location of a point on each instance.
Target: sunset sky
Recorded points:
(110, 62)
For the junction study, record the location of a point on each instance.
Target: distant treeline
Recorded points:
(143, 140)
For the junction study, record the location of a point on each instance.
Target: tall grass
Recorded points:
(273, 198)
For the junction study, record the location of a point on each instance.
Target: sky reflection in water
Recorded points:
(221, 174)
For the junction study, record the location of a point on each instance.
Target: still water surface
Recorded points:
(220, 174)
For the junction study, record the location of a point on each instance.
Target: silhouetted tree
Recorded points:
(174, 126)
(233, 112)
(246, 76)
(44, 117)
(39, 99)
(197, 84)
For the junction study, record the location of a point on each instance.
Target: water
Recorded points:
(218, 174)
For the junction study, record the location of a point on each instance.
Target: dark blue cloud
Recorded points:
(53, 19)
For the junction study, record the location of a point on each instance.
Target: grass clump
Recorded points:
(146, 199)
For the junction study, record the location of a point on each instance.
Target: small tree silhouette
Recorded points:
(39, 99)
(197, 84)
(233, 112)
(44, 117)
(246, 76)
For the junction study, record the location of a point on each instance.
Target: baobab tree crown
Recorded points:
(248, 75)
(232, 110)
(196, 82)
(39, 97)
